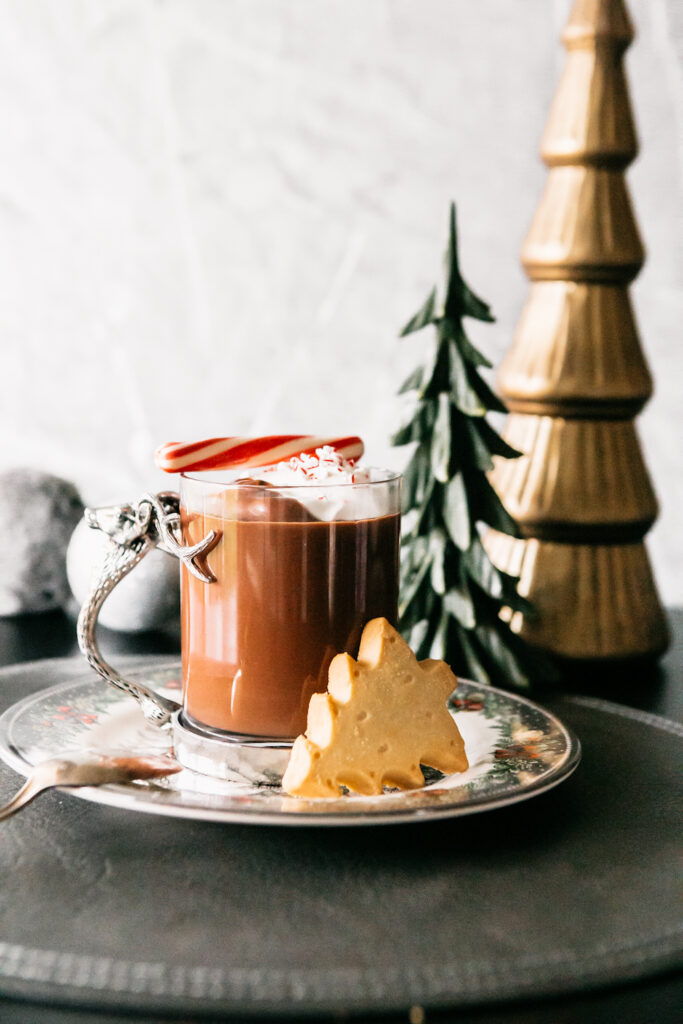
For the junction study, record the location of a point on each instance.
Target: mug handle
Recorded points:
(134, 531)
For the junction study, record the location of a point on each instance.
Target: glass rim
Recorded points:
(199, 476)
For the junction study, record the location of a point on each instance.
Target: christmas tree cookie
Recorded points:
(381, 717)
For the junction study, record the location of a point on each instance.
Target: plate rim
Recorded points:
(119, 796)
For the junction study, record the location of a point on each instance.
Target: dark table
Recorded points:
(655, 689)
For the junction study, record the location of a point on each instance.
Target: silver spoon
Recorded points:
(89, 770)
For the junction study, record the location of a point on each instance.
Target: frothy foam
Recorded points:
(326, 466)
(326, 484)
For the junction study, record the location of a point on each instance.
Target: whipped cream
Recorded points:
(327, 485)
(326, 466)
(322, 473)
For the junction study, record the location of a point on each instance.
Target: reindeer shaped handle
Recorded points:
(134, 531)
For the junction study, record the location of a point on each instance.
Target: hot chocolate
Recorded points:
(292, 590)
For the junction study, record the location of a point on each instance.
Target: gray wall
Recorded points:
(215, 215)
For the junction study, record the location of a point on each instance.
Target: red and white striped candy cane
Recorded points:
(229, 452)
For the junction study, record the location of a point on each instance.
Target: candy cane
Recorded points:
(229, 452)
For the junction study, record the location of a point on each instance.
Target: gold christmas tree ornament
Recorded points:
(575, 376)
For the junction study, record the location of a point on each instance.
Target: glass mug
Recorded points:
(275, 580)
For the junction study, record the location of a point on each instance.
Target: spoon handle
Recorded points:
(28, 792)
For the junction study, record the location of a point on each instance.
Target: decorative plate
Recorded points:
(515, 750)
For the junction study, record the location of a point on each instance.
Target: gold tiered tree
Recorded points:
(575, 375)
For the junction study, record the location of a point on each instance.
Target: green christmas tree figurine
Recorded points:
(451, 593)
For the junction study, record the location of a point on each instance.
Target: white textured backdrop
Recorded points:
(215, 215)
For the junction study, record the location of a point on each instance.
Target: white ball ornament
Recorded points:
(148, 598)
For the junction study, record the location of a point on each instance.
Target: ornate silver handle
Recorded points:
(134, 530)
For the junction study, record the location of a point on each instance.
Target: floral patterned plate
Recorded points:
(515, 749)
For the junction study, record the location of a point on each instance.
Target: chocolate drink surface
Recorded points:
(291, 591)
